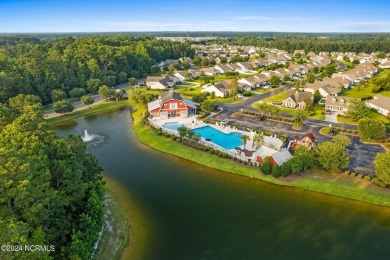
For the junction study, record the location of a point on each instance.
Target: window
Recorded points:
(173, 105)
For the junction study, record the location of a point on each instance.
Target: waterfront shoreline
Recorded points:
(329, 184)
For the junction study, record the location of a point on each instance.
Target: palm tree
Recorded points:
(258, 140)
(244, 139)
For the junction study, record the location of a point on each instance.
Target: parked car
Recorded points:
(261, 118)
(240, 96)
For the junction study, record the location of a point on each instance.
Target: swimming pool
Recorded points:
(226, 141)
(172, 126)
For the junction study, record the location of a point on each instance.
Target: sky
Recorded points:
(213, 15)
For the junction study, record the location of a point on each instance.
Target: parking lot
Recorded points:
(362, 155)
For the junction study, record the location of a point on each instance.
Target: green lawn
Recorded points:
(86, 111)
(372, 114)
(261, 90)
(278, 97)
(338, 184)
(361, 90)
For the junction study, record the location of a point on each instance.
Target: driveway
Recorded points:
(332, 117)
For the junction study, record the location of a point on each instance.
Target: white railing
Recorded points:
(207, 144)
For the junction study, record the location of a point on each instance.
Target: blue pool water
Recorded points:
(227, 141)
(172, 126)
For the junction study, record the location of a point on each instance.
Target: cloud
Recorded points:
(132, 24)
(367, 24)
(270, 18)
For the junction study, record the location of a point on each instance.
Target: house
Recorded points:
(380, 103)
(280, 157)
(218, 89)
(210, 71)
(221, 89)
(262, 153)
(234, 66)
(223, 68)
(166, 63)
(195, 72)
(298, 100)
(181, 76)
(170, 104)
(161, 82)
(337, 104)
(307, 141)
(244, 66)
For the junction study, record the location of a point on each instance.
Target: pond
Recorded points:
(193, 212)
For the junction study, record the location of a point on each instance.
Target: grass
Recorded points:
(261, 90)
(115, 233)
(372, 114)
(86, 111)
(336, 185)
(361, 90)
(278, 97)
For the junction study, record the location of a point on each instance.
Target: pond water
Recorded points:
(193, 212)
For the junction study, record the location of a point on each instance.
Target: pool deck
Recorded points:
(192, 122)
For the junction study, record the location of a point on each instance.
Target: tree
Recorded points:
(306, 156)
(382, 167)
(317, 96)
(233, 88)
(299, 119)
(342, 140)
(87, 100)
(93, 85)
(258, 140)
(285, 169)
(286, 78)
(63, 106)
(357, 109)
(308, 104)
(276, 171)
(105, 92)
(133, 81)
(46, 176)
(183, 130)
(262, 107)
(310, 77)
(274, 81)
(58, 94)
(296, 164)
(372, 128)
(381, 55)
(266, 166)
(244, 139)
(20, 102)
(207, 106)
(77, 92)
(332, 156)
(196, 138)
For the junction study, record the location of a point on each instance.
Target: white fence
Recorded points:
(236, 154)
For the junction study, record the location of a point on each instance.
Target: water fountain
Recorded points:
(87, 138)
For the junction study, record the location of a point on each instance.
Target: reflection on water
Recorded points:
(199, 212)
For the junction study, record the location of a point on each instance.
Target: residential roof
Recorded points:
(153, 105)
(337, 101)
(300, 96)
(168, 95)
(380, 101)
(282, 156)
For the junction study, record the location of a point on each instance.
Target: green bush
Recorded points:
(159, 132)
(276, 171)
(212, 151)
(360, 175)
(347, 172)
(379, 182)
(285, 170)
(353, 174)
(368, 178)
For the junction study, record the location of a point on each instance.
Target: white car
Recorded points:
(225, 121)
(240, 96)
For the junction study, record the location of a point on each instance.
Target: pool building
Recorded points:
(169, 105)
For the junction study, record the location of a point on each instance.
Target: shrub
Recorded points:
(212, 151)
(266, 166)
(285, 170)
(360, 175)
(353, 174)
(276, 171)
(166, 134)
(159, 132)
(234, 158)
(368, 178)
(379, 183)
(347, 172)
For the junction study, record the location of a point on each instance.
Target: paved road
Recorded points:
(362, 155)
(78, 104)
(340, 66)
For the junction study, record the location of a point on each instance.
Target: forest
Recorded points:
(31, 66)
(51, 188)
